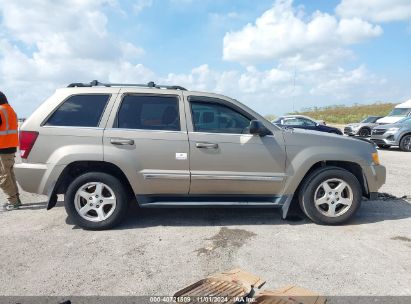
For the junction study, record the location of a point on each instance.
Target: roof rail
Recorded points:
(151, 84)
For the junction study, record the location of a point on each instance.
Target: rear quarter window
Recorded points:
(79, 111)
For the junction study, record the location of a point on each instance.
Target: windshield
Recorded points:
(370, 119)
(405, 120)
(400, 112)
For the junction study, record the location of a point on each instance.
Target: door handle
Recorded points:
(205, 145)
(121, 142)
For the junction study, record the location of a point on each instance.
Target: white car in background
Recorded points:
(400, 112)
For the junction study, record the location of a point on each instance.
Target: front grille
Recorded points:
(347, 130)
(378, 131)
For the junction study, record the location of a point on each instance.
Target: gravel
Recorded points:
(157, 252)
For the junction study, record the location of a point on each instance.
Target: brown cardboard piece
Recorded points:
(289, 295)
(235, 283)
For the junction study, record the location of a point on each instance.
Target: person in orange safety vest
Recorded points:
(9, 141)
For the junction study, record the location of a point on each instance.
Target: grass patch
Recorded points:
(341, 114)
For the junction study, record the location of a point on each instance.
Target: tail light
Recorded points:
(27, 140)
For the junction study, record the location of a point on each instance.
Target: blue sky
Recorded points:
(336, 52)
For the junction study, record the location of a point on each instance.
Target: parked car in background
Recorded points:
(363, 128)
(400, 111)
(398, 134)
(304, 122)
(106, 145)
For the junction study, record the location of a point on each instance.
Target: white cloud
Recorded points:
(285, 31)
(42, 49)
(376, 10)
(139, 5)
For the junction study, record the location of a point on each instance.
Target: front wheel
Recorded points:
(330, 196)
(364, 132)
(96, 201)
(405, 143)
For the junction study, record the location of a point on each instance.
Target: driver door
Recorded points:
(224, 157)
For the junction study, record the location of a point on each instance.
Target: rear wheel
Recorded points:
(364, 132)
(330, 196)
(96, 201)
(405, 143)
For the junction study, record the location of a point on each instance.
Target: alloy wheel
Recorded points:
(407, 143)
(333, 197)
(95, 201)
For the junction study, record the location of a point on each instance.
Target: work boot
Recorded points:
(9, 206)
(12, 206)
(18, 204)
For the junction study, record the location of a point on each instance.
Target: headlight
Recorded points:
(393, 130)
(375, 158)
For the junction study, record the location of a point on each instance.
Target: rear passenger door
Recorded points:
(146, 137)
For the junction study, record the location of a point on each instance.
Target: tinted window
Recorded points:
(149, 112)
(217, 118)
(307, 122)
(79, 111)
(292, 122)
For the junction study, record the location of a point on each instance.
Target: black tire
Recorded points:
(364, 132)
(383, 146)
(312, 183)
(115, 186)
(405, 143)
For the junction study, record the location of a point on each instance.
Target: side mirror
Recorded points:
(257, 128)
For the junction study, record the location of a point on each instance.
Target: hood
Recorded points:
(353, 125)
(390, 119)
(386, 127)
(342, 147)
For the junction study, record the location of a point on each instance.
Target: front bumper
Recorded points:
(387, 139)
(375, 177)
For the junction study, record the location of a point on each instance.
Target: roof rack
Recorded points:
(151, 84)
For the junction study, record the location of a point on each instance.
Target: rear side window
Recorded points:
(149, 112)
(79, 111)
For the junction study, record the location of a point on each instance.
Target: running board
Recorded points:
(165, 204)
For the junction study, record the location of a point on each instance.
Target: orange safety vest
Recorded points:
(9, 137)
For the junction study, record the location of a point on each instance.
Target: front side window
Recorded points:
(149, 112)
(217, 118)
(80, 111)
(307, 122)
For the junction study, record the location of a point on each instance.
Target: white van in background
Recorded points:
(399, 112)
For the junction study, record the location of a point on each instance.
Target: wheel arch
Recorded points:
(78, 168)
(364, 127)
(352, 167)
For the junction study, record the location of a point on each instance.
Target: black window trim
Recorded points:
(218, 101)
(43, 124)
(115, 122)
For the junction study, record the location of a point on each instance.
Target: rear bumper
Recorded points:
(36, 178)
(349, 131)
